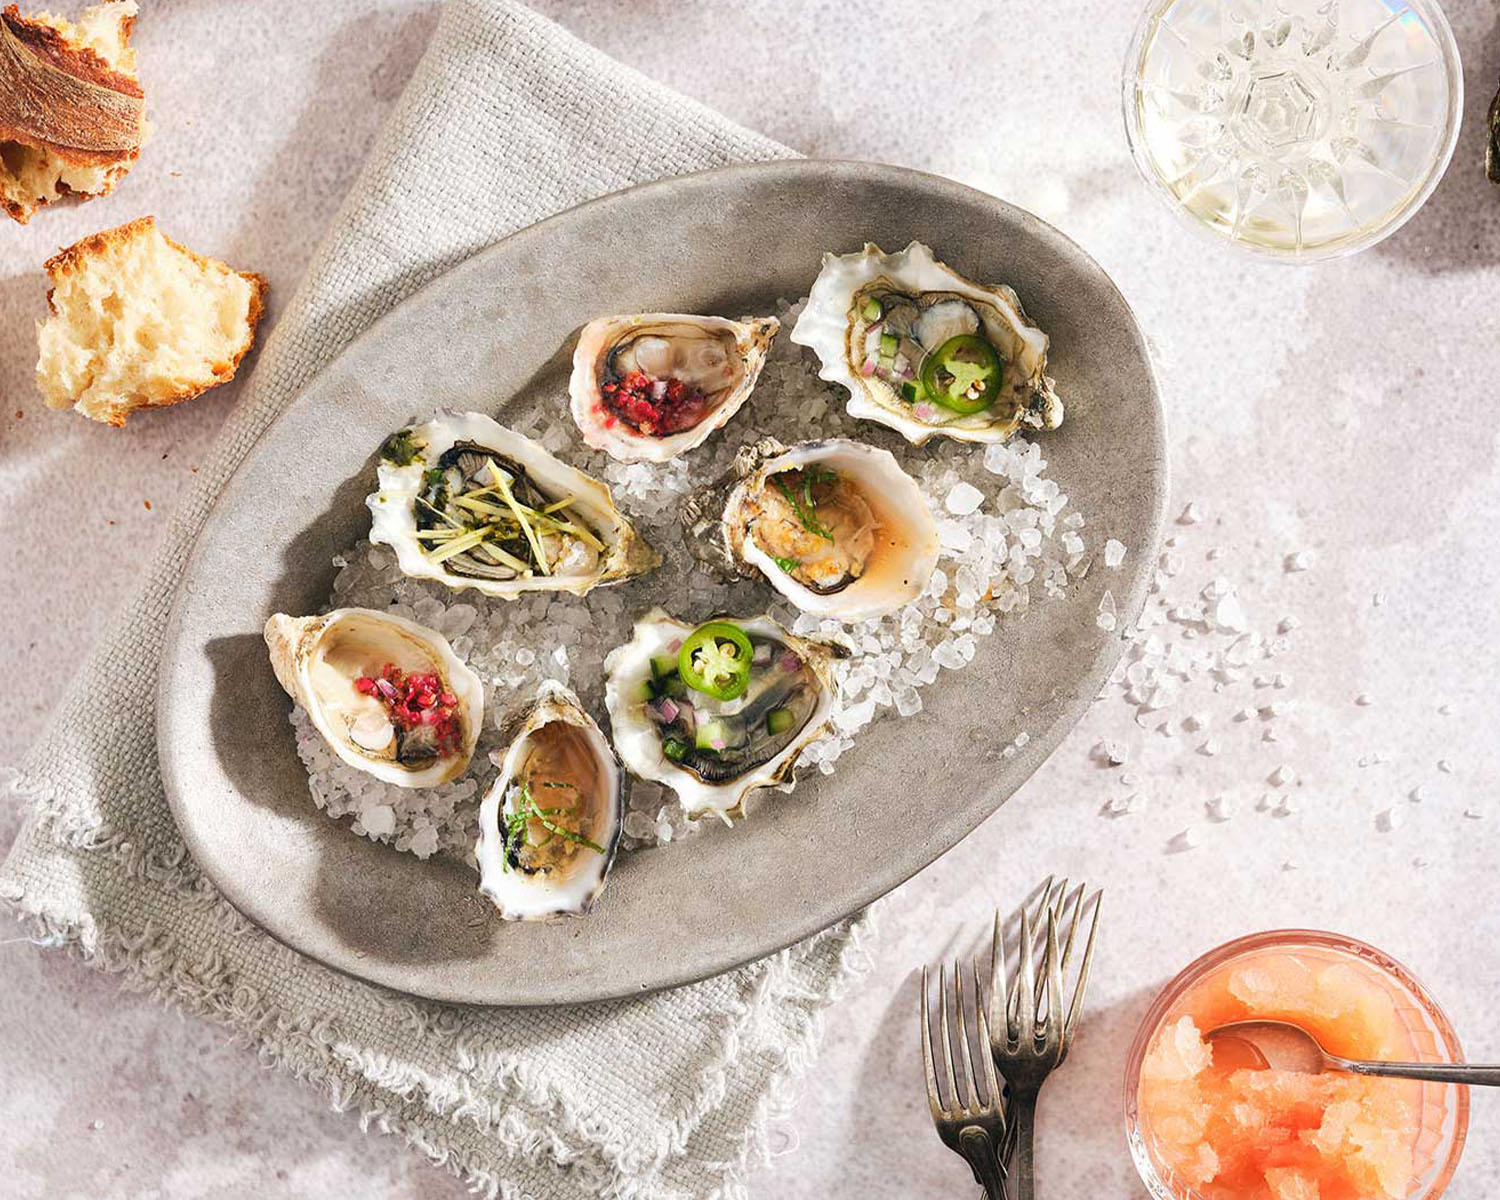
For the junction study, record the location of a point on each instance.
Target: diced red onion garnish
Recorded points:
(869, 367)
(674, 645)
(789, 661)
(761, 654)
(668, 709)
(717, 743)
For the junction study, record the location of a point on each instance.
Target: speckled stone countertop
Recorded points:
(1346, 412)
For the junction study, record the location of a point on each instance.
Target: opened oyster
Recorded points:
(650, 386)
(550, 824)
(837, 527)
(469, 502)
(718, 710)
(926, 351)
(388, 695)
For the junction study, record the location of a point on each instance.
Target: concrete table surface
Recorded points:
(1345, 413)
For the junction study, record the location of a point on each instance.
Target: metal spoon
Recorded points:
(1284, 1047)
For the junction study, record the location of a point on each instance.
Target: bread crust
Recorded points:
(64, 98)
(76, 258)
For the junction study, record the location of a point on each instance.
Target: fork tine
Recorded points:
(1075, 1009)
(1028, 973)
(991, 1087)
(1041, 905)
(999, 1008)
(971, 1083)
(934, 1102)
(947, 1036)
(1062, 909)
(1052, 966)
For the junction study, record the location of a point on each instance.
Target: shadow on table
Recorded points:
(1459, 227)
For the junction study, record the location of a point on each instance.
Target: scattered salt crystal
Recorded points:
(525, 656)
(1171, 564)
(1281, 776)
(1264, 804)
(1417, 794)
(1364, 700)
(1445, 766)
(1129, 779)
(1378, 599)
(1182, 841)
(1118, 806)
(1388, 819)
(1473, 814)
(1114, 553)
(1209, 748)
(1289, 865)
(1445, 710)
(1229, 615)
(1284, 807)
(424, 842)
(1108, 617)
(1190, 515)
(1287, 624)
(1214, 553)
(963, 498)
(1219, 808)
(1244, 714)
(379, 821)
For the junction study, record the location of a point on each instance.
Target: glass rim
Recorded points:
(1442, 1028)
(1432, 13)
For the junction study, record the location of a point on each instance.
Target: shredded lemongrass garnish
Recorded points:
(503, 487)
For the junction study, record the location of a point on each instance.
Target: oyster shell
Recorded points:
(651, 385)
(380, 725)
(875, 319)
(836, 526)
(720, 750)
(550, 824)
(468, 502)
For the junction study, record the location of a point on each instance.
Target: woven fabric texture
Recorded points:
(508, 119)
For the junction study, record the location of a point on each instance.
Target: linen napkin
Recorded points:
(507, 119)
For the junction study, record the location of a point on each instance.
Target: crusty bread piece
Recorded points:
(72, 113)
(138, 321)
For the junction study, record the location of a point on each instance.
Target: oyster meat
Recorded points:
(652, 385)
(717, 710)
(464, 500)
(837, 527)
(388, 695)
(550, 824)
(926, 351)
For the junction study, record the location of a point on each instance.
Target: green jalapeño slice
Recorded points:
(715, 660)
(963, 374)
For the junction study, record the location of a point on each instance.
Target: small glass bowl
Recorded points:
(1424, 1019)
(1257, 117)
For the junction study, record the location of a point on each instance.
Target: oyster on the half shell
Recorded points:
(712, 750)
(468, 502)
(388, 695)
(550, 824)
(926, 351)
(836, 526)
(649, 386)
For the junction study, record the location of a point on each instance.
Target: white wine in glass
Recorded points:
(1302, 128)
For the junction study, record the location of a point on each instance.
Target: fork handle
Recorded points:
(984, 1160)
(1023, 1120)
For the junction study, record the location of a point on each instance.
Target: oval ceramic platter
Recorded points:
(501, 325)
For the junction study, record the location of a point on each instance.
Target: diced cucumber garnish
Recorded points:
(889, 344)
(873, 309)
(675, 749)
(648, 690)
(663, 665)
(911, 391)
(710, 732)
(779, 720)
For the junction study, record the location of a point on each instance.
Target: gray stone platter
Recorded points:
(500, 325)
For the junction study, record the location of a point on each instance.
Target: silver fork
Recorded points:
(1030, 1033)
(970, 1124)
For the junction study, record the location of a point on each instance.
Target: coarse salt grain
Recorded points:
(1114, 553)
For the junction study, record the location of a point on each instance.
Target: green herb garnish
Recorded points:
(400, 448)
(518, 823)
(806, 507)
(788, 565)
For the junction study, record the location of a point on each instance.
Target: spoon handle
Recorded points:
(1480, 1076)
